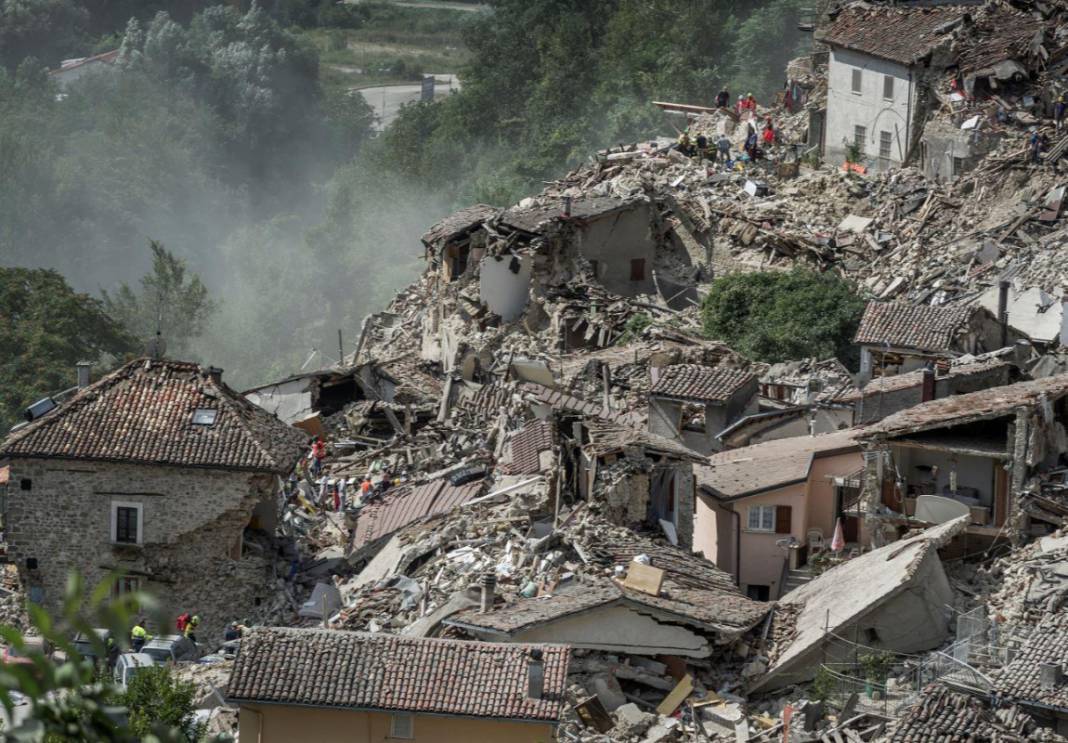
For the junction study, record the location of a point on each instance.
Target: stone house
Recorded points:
(156, 470)
(358, 687)
(762, 510)
(878, 94)
(895, 337)
(693, 404)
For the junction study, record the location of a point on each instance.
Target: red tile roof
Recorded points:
(770, 464)
(904, 35)
(143, 413)
(406, 504)
(527, 445)
(703, 383)
(918, 326)
(357, 670)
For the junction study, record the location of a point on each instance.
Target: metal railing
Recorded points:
(838, 682)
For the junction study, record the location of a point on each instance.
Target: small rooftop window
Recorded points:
(204, 416)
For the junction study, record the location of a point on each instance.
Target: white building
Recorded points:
(876, 77)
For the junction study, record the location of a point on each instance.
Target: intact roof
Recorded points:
(535, 218)
(768, 465)
(143, 413)
(358, 670)
(972, 406)
(903, 35)
(1020, 680)
(884, 385)
(458, 223)
(406, 504)
(917, 326)
(702, 383)
(850, 591)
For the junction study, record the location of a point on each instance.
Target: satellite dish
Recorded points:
(157, 347)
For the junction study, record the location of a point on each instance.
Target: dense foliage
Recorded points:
(775, 316)
(156, 699)
(45, 329)
(552, 80)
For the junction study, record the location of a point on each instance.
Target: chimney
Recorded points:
(941, 367)
(1003, 311)
(489, 584)
(215, 374)
(567, 206)
(928, 390)
(83, 367)
(535, 675)
(1050, 676)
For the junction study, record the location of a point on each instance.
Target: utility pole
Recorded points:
(340, 350)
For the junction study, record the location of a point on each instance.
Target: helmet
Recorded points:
(195, 620)
(741, 97)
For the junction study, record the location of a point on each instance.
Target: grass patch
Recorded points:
(395, 45)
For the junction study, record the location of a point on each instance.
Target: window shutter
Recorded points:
(782, 519)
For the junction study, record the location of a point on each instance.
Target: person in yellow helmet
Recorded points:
(191, 628)
(139, 635)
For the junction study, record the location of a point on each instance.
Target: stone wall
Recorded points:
(60, 513)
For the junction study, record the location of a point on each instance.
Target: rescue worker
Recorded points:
(724, 148)
(318, 454)
(739, 107)
(1034, 143)
(750, 103)
(702, 147)
(1058, 111)
(139, 636)
(768, 134)
(685, 146)
(191, 628)
(723, 99)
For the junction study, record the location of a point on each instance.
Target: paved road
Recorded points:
(386, 100)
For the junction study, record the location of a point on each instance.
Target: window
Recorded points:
(761, 518)
(401, 726)
(885, 141)
(125, 585)
(888, 87)
(126, 523)
(637, 269)
(595, 267)
(860, 134)
(25, 484)
(204, 416)
(958, 166)
(856, 80)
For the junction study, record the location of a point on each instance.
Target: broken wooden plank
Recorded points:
(644, 578)
(676, 697)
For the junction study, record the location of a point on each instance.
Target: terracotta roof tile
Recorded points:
(943, 715)
(527, 445)
(405, 504)
(458, 223)
(916, 326)
(357, 670)
(703, 383)
(143, 412)
(903, 35)
(767, 465)
(1020, 680)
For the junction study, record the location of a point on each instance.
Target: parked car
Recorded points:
(84, 643)
(170, 648)
(128, 665)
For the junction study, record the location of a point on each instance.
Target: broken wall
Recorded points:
(288, 401)
(504, 284)
(623, 244)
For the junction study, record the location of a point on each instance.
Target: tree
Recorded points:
(47, 29)
(170, 301)
(155, 698)
(45, 329)
(773, 316)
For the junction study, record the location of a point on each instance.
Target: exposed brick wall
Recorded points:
(192, 521)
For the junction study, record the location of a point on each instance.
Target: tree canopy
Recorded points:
(775, 316)
(46, 328)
